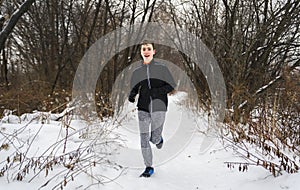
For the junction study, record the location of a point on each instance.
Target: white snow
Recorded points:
(190, 168)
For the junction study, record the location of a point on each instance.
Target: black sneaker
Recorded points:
(160, 144)
(148, 172)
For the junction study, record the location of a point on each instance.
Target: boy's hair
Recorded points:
(147, 42)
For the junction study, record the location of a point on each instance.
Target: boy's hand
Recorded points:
(172, 92)
(131, 99)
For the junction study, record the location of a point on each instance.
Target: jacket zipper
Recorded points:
(149, 85)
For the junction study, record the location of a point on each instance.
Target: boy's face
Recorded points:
(147, 53)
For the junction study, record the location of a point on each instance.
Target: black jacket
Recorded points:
(152, 82)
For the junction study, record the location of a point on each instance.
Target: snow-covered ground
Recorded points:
(177, 165)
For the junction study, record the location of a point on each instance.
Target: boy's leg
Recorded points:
(157, 123)
(144, 124)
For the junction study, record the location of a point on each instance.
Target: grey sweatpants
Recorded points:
(151, 126)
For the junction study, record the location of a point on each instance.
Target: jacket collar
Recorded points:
(151, 63)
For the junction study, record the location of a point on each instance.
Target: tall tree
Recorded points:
(7, 29)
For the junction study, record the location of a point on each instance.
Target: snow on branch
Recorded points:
(292, 67)
(260, 90)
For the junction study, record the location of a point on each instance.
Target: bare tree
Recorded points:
(6, 30)
(13, 21)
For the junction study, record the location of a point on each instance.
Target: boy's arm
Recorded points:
(134, 89)
(170, 81)
(169, 84)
